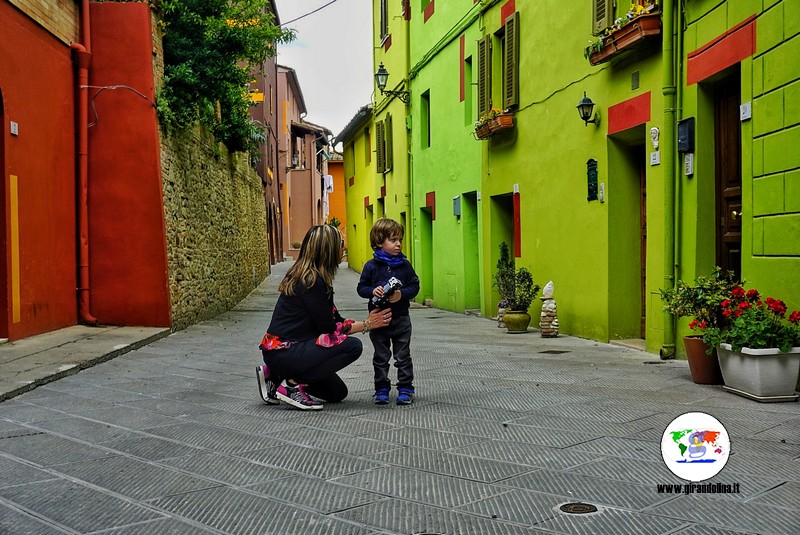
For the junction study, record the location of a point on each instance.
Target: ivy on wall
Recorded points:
(211, 49)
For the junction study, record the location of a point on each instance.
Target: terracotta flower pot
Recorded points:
(703, 367)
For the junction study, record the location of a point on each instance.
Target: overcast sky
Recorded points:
(332, 57)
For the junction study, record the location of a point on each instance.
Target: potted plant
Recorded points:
(701, 302)
(517, 290)
(492, 121)
(759, 347)
(640, 22)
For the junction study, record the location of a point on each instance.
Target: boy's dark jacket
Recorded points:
(378, 273)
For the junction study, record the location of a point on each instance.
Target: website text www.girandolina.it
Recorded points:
(699, 488)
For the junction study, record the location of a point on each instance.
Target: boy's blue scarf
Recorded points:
(393, 260)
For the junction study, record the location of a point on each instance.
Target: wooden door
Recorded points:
(728, 156)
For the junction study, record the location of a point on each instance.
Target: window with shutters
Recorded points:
(380, 147)
(388, 151)
(602, 15)
(507, 39)
(384, 19)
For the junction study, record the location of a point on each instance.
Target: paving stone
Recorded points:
(555, 438)
(762, 519)
(309, 461)
(426, 438)
(130, 418)
(162, 526)
(48, 450)
(420, 486)
(15, 473)
(211, 437)
(608, 520)
(133, 478)
(580, 488)
(785, 495)
(405, 518)
(238, 512)
(171, 407)
(449, 464)
(83, 429)
(314, 493)
(637, 471)
(518, 505)
(226, 469)
(56, 501)
(527, 454)
(13, 521)
(149, 448)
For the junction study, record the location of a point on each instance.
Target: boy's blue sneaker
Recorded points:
(382, 396)
(405, 396)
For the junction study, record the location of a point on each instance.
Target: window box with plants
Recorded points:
(639, 24)
(517, 291)
(493, 122)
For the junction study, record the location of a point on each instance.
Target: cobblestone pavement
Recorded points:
(172, 438)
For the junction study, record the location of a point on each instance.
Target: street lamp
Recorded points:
(585, 107)
(381, 77)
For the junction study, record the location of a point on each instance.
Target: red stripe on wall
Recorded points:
(517, 232)
(630, 113)
(387, 43)
(430, 202)
(461, 68)
(383, 192)
(428, 12)
(506, 11)
(720, 53)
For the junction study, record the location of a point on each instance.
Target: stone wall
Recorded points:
(217, 249)
(59, 17)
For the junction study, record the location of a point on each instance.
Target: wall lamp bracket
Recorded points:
(381, 77)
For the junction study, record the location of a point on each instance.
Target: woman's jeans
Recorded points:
(315, 366)
(396, 336)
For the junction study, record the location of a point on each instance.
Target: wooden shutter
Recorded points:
(379, 148)
(387, 135)
(602, 15)
(484, 74)
(511, 58)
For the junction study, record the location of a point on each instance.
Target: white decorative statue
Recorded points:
(654, 133)
(548, 320)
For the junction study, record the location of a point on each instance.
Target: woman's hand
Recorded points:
(379, 318)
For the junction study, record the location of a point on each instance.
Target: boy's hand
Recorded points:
(395, 297)
(378, 291)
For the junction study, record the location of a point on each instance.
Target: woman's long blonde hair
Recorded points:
(320, 255)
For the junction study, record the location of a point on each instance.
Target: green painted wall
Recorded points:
(592, 250)
(446, 158)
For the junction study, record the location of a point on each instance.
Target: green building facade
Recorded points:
(688, 160)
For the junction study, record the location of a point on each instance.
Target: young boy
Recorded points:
(388, 261)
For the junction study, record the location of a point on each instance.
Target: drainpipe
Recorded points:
(83, 58)
(668, 161)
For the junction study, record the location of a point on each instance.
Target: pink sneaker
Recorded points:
(296, 396)
(266, 386)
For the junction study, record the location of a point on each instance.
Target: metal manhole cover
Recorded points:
(554, 351)
(578, 508)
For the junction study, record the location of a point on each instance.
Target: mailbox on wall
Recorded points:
(686, 135)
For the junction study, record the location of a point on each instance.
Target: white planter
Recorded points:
(761, 374)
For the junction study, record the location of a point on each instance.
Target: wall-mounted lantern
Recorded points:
(381, 77)
(585, 107)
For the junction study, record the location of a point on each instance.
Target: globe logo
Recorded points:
(695, 446)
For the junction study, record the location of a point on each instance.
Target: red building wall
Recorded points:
(38, 242)
(128, 259)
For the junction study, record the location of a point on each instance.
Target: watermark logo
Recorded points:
(695, 446)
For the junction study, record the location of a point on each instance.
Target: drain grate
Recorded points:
(578, 508)
(554, 351)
